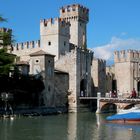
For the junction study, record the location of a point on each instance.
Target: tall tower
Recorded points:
(77, 16)
(127, 71)
(54, 36)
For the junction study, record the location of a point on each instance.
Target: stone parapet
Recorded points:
(74, 11)
(54, 26)
(126, 55)
(26, 45)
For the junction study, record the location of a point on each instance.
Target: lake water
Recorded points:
(81, 126)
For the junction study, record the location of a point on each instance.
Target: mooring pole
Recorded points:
(98, 102)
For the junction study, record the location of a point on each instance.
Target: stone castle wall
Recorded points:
(61, 86)
(68, 64)
(74, 63)
(110, 76)
(98, 75)
(23, 50)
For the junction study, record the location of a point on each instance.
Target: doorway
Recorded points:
(83, 87)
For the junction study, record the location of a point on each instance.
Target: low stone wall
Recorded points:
(40, 111)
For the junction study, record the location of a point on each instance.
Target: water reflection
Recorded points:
(73, 126)
(6, 129)
(124, 131)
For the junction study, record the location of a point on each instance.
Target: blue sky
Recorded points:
(113, 24)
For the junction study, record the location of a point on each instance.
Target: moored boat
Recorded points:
(126, 116)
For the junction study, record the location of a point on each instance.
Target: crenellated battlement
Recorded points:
(100, 61)
(26, 45)
(54, 26)
(75, 11)
(128, 55)
(53, 22)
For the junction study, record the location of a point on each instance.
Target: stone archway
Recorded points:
(129, 106)
(108, 107)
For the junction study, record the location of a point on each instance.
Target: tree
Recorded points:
(5, 37)
(6, 59)
(2, 19)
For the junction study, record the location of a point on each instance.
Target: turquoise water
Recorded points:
(81, 126)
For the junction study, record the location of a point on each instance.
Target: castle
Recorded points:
(68, 67)
(61, 57)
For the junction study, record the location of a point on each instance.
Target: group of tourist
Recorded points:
(118, 94)
(111, 94)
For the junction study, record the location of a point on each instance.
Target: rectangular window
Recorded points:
(64, 43)
(22, 46)
(49, 43)
(63, 10)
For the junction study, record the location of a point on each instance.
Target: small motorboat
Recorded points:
(126, 116)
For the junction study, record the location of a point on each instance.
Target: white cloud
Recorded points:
(106, 51)
(123, 34)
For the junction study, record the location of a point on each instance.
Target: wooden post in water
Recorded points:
(98, 103)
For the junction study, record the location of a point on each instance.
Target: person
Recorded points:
(115, 94)
(82, 93)
(119, 94)
(133, 94)
(107, 94)
(110, 94)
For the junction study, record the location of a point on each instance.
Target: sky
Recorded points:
(113, 24)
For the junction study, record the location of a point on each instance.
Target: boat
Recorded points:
(126, 116)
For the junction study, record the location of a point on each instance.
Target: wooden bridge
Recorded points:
(117, 103)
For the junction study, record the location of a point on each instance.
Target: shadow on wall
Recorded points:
(24, 89)
(94, 89)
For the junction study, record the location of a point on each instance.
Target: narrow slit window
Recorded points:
(64, 43)
(49, 43)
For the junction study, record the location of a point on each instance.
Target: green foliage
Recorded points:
(2, 19)
(6, 61)
(6, 38)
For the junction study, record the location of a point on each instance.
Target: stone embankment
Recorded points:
(41, 111)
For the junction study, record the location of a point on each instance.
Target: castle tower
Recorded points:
(54, 36)
(127, 70)
(42, 64)
(77, 16)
